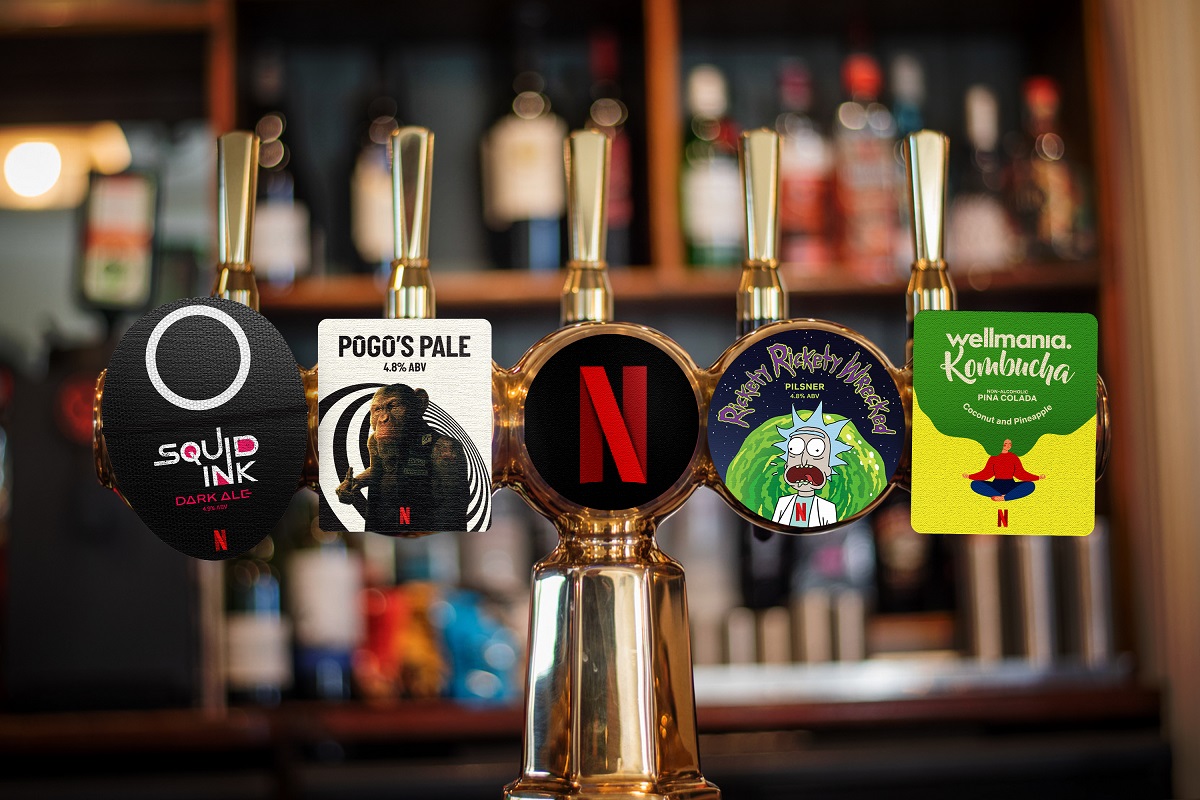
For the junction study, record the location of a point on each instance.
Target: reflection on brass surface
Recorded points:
(1103, 427)
(759, 156)
(609, 703)
(410, 289)
(761, 297)
(237, 183)
(926, 156)
(310, 477)
(104, 471)
(587, 293)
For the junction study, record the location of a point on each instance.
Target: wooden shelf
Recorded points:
(465, 291)
(86, 17)
(443, 721)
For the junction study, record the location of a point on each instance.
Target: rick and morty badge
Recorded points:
(806, 428)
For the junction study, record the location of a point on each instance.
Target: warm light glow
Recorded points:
(32, 168)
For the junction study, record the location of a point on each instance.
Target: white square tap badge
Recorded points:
(405, 437)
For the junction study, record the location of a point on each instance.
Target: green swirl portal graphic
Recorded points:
(755, 476)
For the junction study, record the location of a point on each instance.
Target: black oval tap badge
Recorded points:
(806, 428)
(206, 425)
(611, 421)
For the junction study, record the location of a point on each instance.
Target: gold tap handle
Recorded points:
(410, 290)
(237, 184)
(759, 157)
(926, 154)
(761, 297)
(587, 293)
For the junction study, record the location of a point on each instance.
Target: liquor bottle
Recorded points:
(979, 227)
(258, 667)
(1043, 192)
(282, 243)
(710, 189)
(524, 194)
(908, 94)
(865, 172)
(608, 115)
(324, 581)
(116, 272)
(371, 184)
(805, 175)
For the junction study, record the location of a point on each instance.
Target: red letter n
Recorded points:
(600, 417)
(1001, 517)
(219, 539)
(405, 515)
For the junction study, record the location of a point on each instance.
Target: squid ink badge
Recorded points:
(806, 428)
(205, 423)
(405, 425)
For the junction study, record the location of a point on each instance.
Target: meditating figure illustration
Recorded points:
(1003, 477)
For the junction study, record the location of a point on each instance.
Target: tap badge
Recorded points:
(806, 428)
(405, 438)
(206, 425)
(611, 421)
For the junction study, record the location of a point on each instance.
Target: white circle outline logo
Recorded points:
(243, 362)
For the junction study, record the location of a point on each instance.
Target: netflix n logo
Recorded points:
(611, 421)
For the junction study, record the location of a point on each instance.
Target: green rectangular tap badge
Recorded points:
(1004, 422)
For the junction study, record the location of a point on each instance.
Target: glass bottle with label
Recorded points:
(1045, 192)
(710, 189)
(258, 666)
(979, 228)
(805, 176)
(865, 172)
(908, 95)
(371, 185)
(324, 581)
(608, 115)
(282, 244)
(524, 186)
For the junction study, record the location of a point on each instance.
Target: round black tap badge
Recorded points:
(806, 428)
(611, 421)
(206, 425)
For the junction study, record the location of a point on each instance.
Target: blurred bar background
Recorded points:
(867, 660)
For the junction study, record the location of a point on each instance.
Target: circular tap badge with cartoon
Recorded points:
(806, 428)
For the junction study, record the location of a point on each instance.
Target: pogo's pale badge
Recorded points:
(405, 437)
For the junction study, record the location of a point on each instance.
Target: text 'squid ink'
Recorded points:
(205, 423)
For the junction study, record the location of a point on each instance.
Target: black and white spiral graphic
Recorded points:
(348, 410)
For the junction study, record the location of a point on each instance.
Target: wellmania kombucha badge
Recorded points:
(1004, 423)
(405, 438)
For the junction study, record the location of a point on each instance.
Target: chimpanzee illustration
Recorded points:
(417, 478)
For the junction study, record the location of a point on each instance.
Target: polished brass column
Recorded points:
(609, 705)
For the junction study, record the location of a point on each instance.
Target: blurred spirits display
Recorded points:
(913, 572)
(805, 176)
(323, 580)
(282, 244)
(1045, 193)
(608, 113)
(980, 230)
(120, 217)
(371, 222)
(908, 95)
(865, 172)
(710, 189)
(524, 187)
(258, 665)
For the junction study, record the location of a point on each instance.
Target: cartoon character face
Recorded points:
(395, 407)
(808, 456)
(1007, 446)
